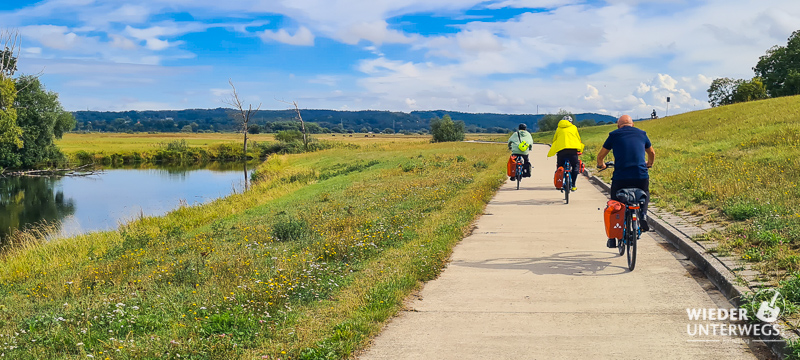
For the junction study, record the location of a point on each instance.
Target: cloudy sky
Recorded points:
(510, 56)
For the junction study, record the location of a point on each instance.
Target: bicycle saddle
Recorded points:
(632, 196)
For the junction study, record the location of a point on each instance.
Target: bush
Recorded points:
(288, 136)
(225, 151)
(445, 129)
(289, 228)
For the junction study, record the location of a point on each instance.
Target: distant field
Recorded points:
(308, 264)
(123, 142)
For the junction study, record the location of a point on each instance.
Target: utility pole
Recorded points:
(667, 105)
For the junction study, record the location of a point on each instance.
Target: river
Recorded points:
(113, 197)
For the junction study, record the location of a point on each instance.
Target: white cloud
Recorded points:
(532, 4)
(119, 41)
(56, 37)
(376, 32)
(302, 37)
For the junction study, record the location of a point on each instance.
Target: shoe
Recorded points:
(611, 243)
(574, 188)
(644, 225)
(513, 178)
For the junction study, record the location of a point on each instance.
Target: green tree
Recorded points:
(289, 135)
(723, 91)
(10, 132)
(780, 68)
(42, 120)
(750, 90)
(550, 121)
(445, 129)
(388, 131)
(186, 129)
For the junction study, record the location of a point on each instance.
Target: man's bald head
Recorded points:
(624, 120)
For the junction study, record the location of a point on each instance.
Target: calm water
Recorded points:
(104, 201)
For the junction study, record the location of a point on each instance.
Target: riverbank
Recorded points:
(306, 264)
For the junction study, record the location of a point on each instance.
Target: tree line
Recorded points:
(777, 74)
(317, 121)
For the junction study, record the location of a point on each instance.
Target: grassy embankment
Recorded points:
(123, 148)
(738, 165)
(308, 264)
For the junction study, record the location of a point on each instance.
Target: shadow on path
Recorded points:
(577, 263)
(523, 187)
(533, 202)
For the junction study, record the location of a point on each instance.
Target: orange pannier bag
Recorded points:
(512, 165)
(614, 217)
(558, 178)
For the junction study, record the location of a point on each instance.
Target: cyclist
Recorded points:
(630, 168)
(567, 145)
(520, 144)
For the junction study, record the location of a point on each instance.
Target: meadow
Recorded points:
(137, 148)
(736, 165)
(307, 264)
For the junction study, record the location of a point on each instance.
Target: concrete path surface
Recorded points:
(535, 281)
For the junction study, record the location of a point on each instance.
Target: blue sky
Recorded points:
(510, 56)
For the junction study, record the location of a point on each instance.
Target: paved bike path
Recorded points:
(535, 281)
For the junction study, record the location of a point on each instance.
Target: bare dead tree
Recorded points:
(244, 114)
(302, 123)
(10, 41)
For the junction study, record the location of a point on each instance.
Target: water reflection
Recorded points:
(118, 195)
(27, 201)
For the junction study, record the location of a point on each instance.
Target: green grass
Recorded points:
(308, 264)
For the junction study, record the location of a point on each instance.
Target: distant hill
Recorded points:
(220, 119)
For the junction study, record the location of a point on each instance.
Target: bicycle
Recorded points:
(519, 171)
(566, 186)
(632, 199)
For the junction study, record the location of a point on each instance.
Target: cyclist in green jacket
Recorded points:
(520, 144)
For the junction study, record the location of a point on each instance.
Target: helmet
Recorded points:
(523, 127)
(568, 118)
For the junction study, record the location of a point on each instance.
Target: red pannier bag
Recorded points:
(558, 178)
(614, 217)
(512, 165)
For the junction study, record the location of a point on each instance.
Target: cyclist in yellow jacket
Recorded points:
(567, 145)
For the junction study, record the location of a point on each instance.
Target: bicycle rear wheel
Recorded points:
(518, 180)
(567, 187)
(519, 175)
(633, 234)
